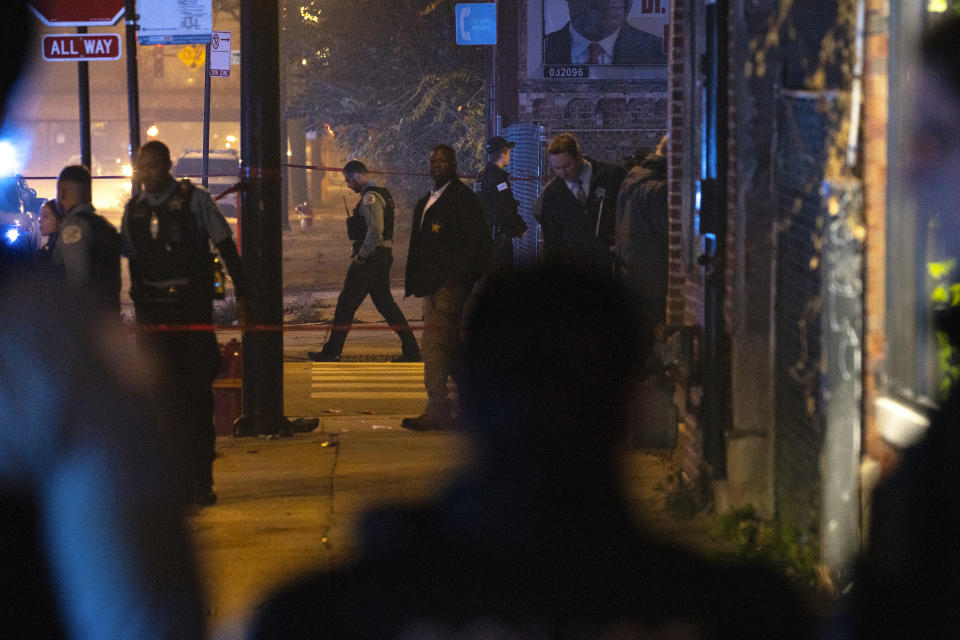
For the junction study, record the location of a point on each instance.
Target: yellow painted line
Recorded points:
(365, 385)
(410, 376)
(387, 395)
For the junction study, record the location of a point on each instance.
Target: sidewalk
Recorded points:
(289, 505)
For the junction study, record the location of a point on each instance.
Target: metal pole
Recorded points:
(133, 90)
(205, 154)
(261, 219)
(83, 86)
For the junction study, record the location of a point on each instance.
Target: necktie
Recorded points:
(594, 51)
(580, 193)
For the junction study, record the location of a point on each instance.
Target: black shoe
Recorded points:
(423, 423)
(409, 357)
(320, 356)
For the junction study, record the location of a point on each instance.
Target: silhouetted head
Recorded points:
(356, 175)
(443, 164)
(74, 186)
(565, 156)
(546, 365)
(153, 166)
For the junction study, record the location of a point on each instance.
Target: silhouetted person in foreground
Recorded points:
(909, 582)
(93, 548)
(537, 539)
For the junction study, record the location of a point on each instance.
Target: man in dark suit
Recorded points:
(577, 209)
(598, 33)
(449, 251)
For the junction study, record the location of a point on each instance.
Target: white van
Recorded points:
(223, 171)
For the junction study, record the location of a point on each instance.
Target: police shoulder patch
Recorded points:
(370, 198)
(70, 234)
(503, 185)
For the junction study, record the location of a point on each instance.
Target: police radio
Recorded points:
(356, 224)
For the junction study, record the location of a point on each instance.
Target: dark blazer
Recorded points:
(451, 245)
(642, 236)
(570, 228)
(632, 46)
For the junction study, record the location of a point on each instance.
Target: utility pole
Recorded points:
(260, 215)
(133, 90)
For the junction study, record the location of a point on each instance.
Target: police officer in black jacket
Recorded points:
(449, 251)
(167, 231)
(499, 205)
(371, 230)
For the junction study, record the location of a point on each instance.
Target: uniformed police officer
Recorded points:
(499, 205)
(370, 227)
(167, 231)
(88, 251)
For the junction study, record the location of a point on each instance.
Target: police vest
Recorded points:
(168, 245)
(388, 210)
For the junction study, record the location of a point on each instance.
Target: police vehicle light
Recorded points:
(8, 158)
(11, 235)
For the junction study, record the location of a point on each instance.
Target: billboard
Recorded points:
(590, 38)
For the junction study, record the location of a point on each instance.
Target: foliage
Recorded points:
(387, 77)
(772, 542)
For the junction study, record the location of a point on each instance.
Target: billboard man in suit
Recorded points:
(598, 33)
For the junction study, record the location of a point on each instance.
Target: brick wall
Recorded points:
(685, 287)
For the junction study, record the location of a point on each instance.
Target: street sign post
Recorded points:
(81, 46)
(220, 54)
(70, 13)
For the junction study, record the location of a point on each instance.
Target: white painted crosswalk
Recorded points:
(373, 380)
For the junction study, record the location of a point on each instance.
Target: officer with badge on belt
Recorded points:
(499, 205)
(370, 228)
(167, 231)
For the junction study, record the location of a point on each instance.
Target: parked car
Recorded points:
(19, 221)
(223, 171)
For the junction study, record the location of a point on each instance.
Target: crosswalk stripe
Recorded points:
(373, 376)
(366, 385)
(394, 395)
(367, 380)
(367, 365)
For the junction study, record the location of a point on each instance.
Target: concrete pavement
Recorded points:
(289, 505)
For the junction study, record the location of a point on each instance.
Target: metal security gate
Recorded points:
(819, 332)
(800, 156)
(525, 174)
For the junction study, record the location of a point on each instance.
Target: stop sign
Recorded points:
(71, 13)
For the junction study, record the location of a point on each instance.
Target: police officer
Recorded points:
(88, 253)
(499, 205)
(371, 230)
(167, 231)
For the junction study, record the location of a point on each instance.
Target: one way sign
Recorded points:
(81, 46)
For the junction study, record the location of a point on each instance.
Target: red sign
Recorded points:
(84, 46)
(75, 13)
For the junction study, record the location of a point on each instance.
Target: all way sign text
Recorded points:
(81, 46)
